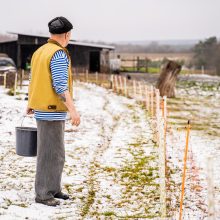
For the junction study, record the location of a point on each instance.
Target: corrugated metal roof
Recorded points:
(72, 42)
(7, 41)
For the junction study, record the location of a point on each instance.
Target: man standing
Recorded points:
(49, 98)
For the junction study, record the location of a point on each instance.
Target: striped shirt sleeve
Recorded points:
(59, 69)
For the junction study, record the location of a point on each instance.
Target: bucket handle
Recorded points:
(23, 117)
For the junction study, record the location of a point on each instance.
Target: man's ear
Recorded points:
(65, 36)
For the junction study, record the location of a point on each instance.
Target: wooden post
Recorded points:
(125, 86)
(21, 77)
(116, 83)
(152, 101)
(184, 170)
(112, 82)
(146, 64)
(87, 76)
(134, 88)
(121, 86)
(96, 77)
(140, 91)
(157, 93)
(15, 86)
(134, 65)
(202, 69)
(146, 97)
(165, 130)
(138, 62)
(5, 78)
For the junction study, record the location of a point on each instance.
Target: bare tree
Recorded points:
(167, 79)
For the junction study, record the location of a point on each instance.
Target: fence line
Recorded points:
(148, 96)
(156, 107)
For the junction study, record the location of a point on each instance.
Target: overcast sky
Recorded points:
(116, 20)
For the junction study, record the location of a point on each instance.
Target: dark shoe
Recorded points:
(49, 202)
(61, 195)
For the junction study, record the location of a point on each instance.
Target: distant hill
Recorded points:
(160, 42)
(161, 46)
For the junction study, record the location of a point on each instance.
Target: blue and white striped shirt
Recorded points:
(59, 69)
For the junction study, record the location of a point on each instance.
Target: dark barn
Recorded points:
(84, 56)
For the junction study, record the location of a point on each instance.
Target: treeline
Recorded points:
(207, 54)
(153, 47)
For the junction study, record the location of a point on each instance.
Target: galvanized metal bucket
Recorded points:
(26, 140)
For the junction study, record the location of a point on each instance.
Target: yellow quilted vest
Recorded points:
(41, 94)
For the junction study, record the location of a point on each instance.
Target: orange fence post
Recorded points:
(184, 170)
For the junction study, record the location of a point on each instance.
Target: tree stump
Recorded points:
(167, 79)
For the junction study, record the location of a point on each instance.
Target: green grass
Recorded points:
(141, 70)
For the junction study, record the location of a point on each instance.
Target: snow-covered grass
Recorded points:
(111, 168)
(198, 101)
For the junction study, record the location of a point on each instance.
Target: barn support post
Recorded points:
(96, 77)
(15, 86)
(87, 76)
(5, 78)
(18, 55)
(21, 73)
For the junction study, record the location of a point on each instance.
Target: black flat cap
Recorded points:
(59, 25)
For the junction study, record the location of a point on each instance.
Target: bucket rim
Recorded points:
(26, 128)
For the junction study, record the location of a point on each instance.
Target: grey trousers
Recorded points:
(50, 158)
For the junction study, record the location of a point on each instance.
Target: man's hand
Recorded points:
(75, 117)
(29, 111)
(67, 100)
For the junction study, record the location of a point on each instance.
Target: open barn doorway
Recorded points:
(94, 61)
